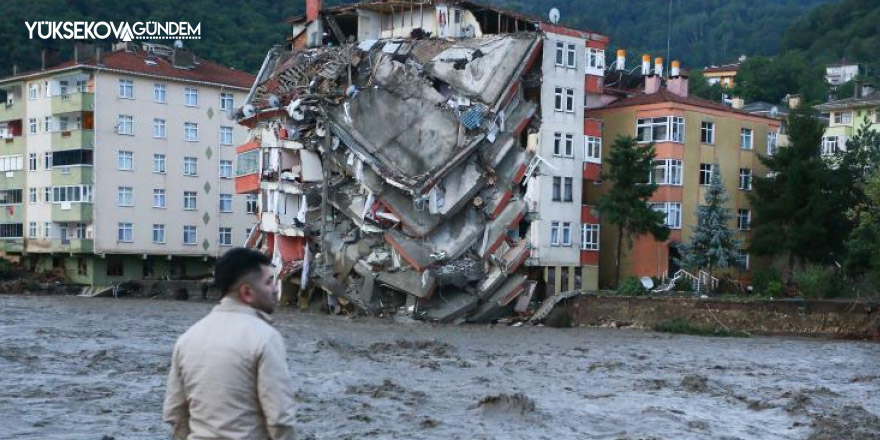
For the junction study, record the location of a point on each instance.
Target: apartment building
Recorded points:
(564, 232)
(119, 165)
(691, 136)
(847, 116)
(724, 74)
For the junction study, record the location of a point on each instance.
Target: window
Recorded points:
(251, 203)
(11, 163)
(125, 125)
(743, 219)
(11, 230)
(595, 61)
(225, 135)
(32, 195)
(32, 125)
(159, 93)
(557, 189)
(124, 196)
(590, 237)
(47, 194)
(125, 161)
(772, 143)
(248, 162)
(843, 117)
(566, 234)
(47, 229)
(225, 238)
(830, 145)
(705, 173)
(745, 138)
(571, 56)
(672, 211)
(568, 189)
(707, 132)
(124, 232)
(159, 128)
(742, 259)
(158, 198)
(189, 235)
(159, 163)
(159, 234)
(47, 124)
(32, 161)
(32, 230)
(745, 179)
(191, 131)
(560, 53)
(662, 129)
(225, 202)
(592, 149)
(569, 100)
(225, 169)
(568, 104)
(126, 89)
(189, 200)
(190, 166)
(32, 92)
(554, 233)
(226, 102)
(47, 160)
(666, 172)
(191, 97)
(563, 144)
(70, 193)
(10, 197)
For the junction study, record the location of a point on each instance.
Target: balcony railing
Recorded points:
(73, 102)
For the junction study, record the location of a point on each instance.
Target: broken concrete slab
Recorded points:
(492, 308)
(416, 253)
(454, 237)
(522, 303)
(419, 284)
(448, 305)
(496, 231)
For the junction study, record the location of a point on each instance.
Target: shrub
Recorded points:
(762, 280)
(815, 281)
(631, 286)
(684, 284)
(774, 289)
(683, 327)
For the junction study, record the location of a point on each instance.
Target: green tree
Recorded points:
(771, 79)
(800, 208)
(712, 243)
(625, 204)
(699, 87)
(861, 162)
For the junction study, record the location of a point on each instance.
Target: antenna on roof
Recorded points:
(554, 15)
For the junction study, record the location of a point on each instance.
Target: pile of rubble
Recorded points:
(395, 173)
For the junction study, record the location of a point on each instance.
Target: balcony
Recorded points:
(73, 102)
(67, 212)
(11, 112)
(12, 145)
(12, 213)
(74, 245)
(72, 175)
(66, 140)
(12, 245)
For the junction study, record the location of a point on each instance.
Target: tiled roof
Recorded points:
(842, 104)
(665, 95)
(136, 63)
(722, 68)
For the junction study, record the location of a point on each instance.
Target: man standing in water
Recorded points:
(228, 377)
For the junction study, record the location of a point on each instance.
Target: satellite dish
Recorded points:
(248, 110)
(774, 111)
(178, 44)
(554, 16)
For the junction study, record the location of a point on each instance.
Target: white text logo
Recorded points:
(123, 31)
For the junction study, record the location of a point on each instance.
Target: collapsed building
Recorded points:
(436, 174)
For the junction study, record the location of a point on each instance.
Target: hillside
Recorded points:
(239, 32)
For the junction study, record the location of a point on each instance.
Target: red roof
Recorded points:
(665, 95)
(136, 63)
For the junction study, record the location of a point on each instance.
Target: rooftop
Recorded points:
(871, 100)
(722, 68)
(665, 95)
(139, 62)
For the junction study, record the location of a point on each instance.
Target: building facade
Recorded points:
(724, 74)
(847, 116)
(691, 136)
(124, 162)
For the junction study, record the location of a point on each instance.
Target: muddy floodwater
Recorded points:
(75, 368)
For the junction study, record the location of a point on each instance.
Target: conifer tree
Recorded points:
(713, 244)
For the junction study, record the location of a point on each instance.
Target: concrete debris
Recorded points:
(393, 174)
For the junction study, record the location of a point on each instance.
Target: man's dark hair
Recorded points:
(235, 264)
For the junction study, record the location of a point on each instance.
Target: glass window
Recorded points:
(746, 135)
(159, 93)
(226, 102)
(743, 219)
(189, 235)
(125, 161)
(32, 125)
(843, 117)
(557, 189)
(560, 53)
(159, 128)
(661, 129)
(190, 166)
(159, 163)
(251, 203)
(158, 198)
(568, 189)
(572, 56)
(189, 200)
(225, 169)
(124, 232)
(592, 149)
(225, 202)
(225, 238)
(554, 233)
(772, 142)
(191, 131)
(566, 234)
(125, 125)
(745, 179)
(159, 234)
(191, 97)
(707, 132)
(225, 135)
(124, 196)
(672, 211)
(557, 95)
(126, 89)
(590, 237)
(705, 173)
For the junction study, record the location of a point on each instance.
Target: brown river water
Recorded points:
(77, 368)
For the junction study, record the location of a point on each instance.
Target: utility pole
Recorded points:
(669, 39)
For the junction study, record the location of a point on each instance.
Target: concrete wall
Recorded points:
(839, 319)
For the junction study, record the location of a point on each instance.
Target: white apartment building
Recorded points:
(127, 164)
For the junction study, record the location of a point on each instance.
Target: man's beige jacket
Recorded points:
(229, 378)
